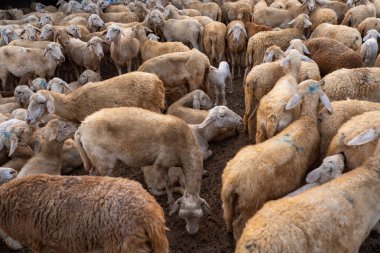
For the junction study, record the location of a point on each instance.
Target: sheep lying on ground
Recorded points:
(155, 134)
(181, 72)
(144, 89)
(217, 78)
(331, 167)
(369, 48)
(139, 225)
(282, 160)
(40, 62)
(188, 107)
(361, 83)
(331, 55)
(366, 129)
(344, 110)
(334, 217)
(49, 159)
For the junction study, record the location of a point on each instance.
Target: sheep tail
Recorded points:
(200, 37)
(206, 83)
(229, 202)
(157, 237)
(78, 144)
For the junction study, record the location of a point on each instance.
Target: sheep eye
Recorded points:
(41, 103)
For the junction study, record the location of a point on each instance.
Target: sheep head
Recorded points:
(57, 85)
(103, 4)
(113, 32)
(301, 21)
(31, 31)
(95, 43)
(8, 35)
(91, 8)
(222, 117)
(95, 22)
(73, 6)
(46, 19)
(59, 130)
(54, 49)
(88, 76)
(22, 94)
(191, 210)
(298, 45)
(152, 36)
(40, 7)
(74, 31)
(372, 34)
(7, 174)
(40, 104)
(156, 17)
(47, 32)
(201, 100)
(238, 32)
(331, 167)
(17, 133)
(273, 53)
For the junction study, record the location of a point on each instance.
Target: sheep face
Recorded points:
(95, 21)
(47, 32)
(31, 31)
(103, 4)
(74, 31)
(331, 167)
(152, 36)
(55, 50)
(59, 130)
(46, 20)
(32, 19)
(22, 94)
(38, 84)
(7, 174)
(14, 135)
(201, 100)
(96, 44)
(88, 76)
(223, 117)
(8, 35)
(113, 32)
(91, 8)
(40, 104)
(57, 85)
(156, 17)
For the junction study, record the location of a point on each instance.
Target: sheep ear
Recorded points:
(147, 29)
(313, 176)
(285, 62)
(306, 59)
(294, 101)
(290, 47)
(22, 32)
(14, 142)
(196, 102)
(378, 35)
(50, 106)
(176, 206)
(45, 51)
(326, 101)
(229, 32)
(364, 137)
(366, 37)
(206, 206)
(305, 50)
(37, 144)
(270, 57)
(292, 22)
(307, 23)
(53, 134)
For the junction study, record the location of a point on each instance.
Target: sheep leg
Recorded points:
(129, 65)
(216, 95)
(233, 66)
(4, 76)
(118, 69)
(229, 210)
(224, 97)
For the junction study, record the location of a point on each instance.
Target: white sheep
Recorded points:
(217, 78)
(369, 48)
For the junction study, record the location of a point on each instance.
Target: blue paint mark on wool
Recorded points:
(313, 88)
(288, 139)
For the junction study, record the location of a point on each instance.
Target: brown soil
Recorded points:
(212, 236)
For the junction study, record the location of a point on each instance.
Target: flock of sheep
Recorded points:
(311, 83)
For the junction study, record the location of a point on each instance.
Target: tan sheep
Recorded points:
(344, 110)
(139, 225)
(356, 150)
(133, 89)
(101, 154)
(214, 42)
(236, 45)
(368, 24)
(282, 160)
(334, 217)
(356, 15)
(191, 72)
(48, 160)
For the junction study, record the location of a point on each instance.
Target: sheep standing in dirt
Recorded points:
(282, 160)
(217, 78)
(144, 89)
(129, 221)
(369, 48)
(49, 159)
(124, 48)
(155, 146)
(334, 217)
(236, 45)
(39, 62)
(214, 42)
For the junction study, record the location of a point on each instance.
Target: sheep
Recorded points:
(38, 84)
(356, 150)
(214, 42)
(150, 49)
(258, 43)
(124, 49)
(7, 174)
(272, 117)
(191, 72)
(344, 110)
(14, 133)
(281, 160)
(356, 15)
(274, 17)
(57, 85)
(331, 167)
(143, 223)
(217, 118)
(30, 31)
(211, 10)
(252, 28)
(7, 108)
(121, 17)
(93, 22)
(360, 83)
(19, 113)
(368, 24)
(188, 107)
(85, 54)
(347, 35)
(49, 159)
(231, 11)
(144, 89)
(185, 30)
(236, 45)
(331, 55)
(182, 151)
(70, 157)
(7, 35)
(322, 15)
(334, 217)
(22, 94)
(29, 44)
(217, 78)
(40, 62)
(369, 48)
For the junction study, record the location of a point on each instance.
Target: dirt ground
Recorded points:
(212, 236)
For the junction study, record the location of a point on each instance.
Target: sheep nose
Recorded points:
(62, 58)
(28, 121)
(101, 54)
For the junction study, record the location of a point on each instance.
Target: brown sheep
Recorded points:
(236, 45)
(331, 55)
(253, 28)
(110, 215)
(214, 42)
(180, 72)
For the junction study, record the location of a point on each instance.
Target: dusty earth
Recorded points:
(212, 236)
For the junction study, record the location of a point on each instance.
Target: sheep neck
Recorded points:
(63, 106)
(310, 106)
(208, 131)
(52, 150)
